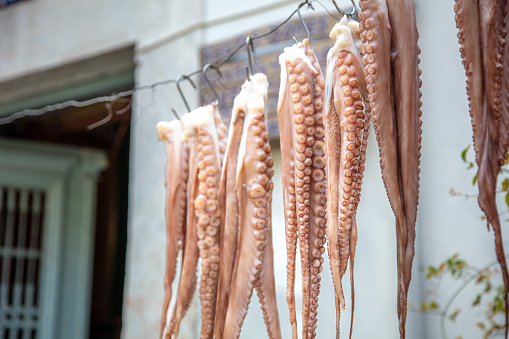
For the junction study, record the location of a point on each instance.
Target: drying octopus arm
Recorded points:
(376, 50)
(345, 122)
(286, 142)
(467, 21)
(332, 153)
(406, 99)
(229, 210)
(265, 288)
(492, 30)
(504, 111)
(318, 200)
(265, 285)
(300, 78)
(253, 186)
(200, 122)
(297, 110)
(503, 150)
(187, 284)
(353, 120)
(175, 182)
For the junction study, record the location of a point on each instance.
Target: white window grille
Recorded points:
(21, 224)
(47, 214)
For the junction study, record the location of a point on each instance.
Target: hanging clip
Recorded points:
(204, 71)
(250, 49)
(302, 4)
(177, 82)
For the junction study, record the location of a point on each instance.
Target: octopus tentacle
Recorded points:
(302, 109)
(187, 284)
(504, 91)
(352, 122)
(287, 168)
(318, 198)
(300, 106)
(265, 287)
(229, 210)
(482, 33)
(252, 180)
(345, 123)
(492, 29)
(467, 21)
(406, 96)
(353, 233)
(376, 50)
(332, 153)
(176, 178)
(207, 211)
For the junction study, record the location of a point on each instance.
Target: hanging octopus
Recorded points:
(176, 178)
(482, 33)
(302, 151)
(195, 147)
(391, 58)
(187, 283)
(206, 208)
(346, 129)
(251, 197)
(229, 209)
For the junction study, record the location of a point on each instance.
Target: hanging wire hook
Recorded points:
(354, 9)
(175, 113)
(109, 107)
(337, 7)
(179, 79)
(250, 49)
(204, 71)
(102, 121)
(300, 16)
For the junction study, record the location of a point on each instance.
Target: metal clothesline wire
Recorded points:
(116, 96)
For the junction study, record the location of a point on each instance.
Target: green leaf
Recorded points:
(464, 154)
(432, 272)
(477, 300)
(433, 305)
(487, 289)
(474, 180)
(507, 199)
(505, 184)
(470, 165)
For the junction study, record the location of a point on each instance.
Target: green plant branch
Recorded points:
(449, 302)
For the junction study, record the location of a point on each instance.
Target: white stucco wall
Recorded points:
(167, 35)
